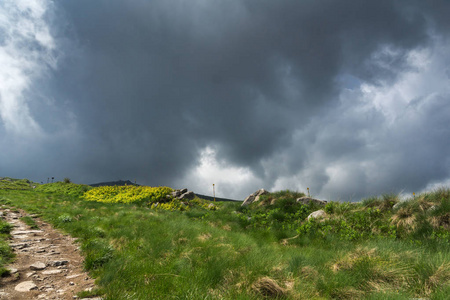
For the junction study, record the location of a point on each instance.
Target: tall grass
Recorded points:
(266, 250)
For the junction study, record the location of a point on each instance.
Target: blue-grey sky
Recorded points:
(349, 98)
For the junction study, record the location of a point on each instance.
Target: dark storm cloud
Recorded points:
(148, 84)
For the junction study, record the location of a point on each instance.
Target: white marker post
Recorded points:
(214, 193)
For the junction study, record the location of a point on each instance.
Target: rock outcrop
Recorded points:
(182, 194)
(307, 200)
(254, 197)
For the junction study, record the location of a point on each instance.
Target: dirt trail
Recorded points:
(48, 264)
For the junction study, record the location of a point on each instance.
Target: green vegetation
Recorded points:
(379, 248)
(68, 188)
(30, 222)
(7, 183)
(6, 254)
(127, 194)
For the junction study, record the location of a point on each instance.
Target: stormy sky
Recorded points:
(348, 98)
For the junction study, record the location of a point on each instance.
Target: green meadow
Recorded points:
(154, 247)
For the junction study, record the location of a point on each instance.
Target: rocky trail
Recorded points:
(48, 264)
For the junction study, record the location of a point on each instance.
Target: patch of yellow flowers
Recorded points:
(127, 194)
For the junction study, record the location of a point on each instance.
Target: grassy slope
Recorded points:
(362, 251)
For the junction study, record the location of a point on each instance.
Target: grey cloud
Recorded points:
(147, 84)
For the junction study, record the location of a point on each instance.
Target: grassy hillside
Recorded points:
(160, 248)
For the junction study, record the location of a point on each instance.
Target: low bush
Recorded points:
(127, 194)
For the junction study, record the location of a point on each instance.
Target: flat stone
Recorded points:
(51, 272)
(21, 232)
(30, 274)
(19, 245)
(57, 263)
(25, 286)
(74, 276)
(12, 270)
(37, 266)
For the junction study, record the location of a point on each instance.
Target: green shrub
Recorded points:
(127, 194)
(5, 228)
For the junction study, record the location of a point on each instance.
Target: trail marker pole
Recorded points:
(308, 192)
(414, 195)
(214, 192)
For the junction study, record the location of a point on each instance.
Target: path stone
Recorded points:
(25, 286)
(51, 272)
(57, 263)
(38, 266)
(19, 245)
(20, 232)
(37, 251)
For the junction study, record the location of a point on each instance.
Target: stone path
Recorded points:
(48, 264)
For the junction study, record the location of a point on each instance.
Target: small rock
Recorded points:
(176, 193)
(19, 246)
(254, 197)
(12, 270)
(432, 208)
(307, 200)
(38, 266)
(74, 276)
(57, 263)
(71, 283)
(51, 272)
(25, 286)
(24, 232)
(317, 214)
(187, 196)
(30, 274)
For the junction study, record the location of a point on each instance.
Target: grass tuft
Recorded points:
(268, 287)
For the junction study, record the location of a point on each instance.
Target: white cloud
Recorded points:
(26, 52)
(230, 182)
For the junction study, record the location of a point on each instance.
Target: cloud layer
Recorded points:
(348, 99)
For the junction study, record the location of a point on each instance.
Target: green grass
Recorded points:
(7, 183)
(368, 250)
(6, 254)
(30, 222)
